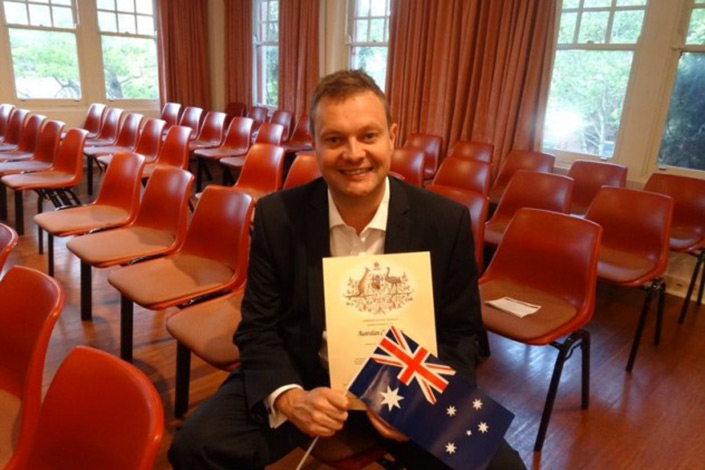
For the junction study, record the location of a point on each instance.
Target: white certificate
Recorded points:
(364, 296)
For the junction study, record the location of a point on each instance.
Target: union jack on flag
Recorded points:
(415, 363)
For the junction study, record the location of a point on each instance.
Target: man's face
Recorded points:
(354, 147)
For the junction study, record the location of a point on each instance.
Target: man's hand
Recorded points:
(318, 412)
(384, 429)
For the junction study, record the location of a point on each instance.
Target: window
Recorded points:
(128, 41)
(266, 56)
(368, 37)
(596, 44)
(42, 37)
(683, 141)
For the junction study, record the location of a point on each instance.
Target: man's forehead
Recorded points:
(328, 102)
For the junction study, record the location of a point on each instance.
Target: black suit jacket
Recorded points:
(283, 308)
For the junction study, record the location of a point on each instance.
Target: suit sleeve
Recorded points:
(266, 363)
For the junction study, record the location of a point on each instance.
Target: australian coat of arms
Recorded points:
(378, 291)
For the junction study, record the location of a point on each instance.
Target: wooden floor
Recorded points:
(652, 418)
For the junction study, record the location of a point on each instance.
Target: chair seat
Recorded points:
(180, 277)
(429, 173)
(81, 219)
(89, 136)
(233, 162)
(494, 231)
(41, 179)
(220, 152)
(207, 330)
(4, 147)
(682, 239)
(99, 142)
(202, 144)
(121, 245)
(10, 407)
(106, 159)
(107, 150)
(9, 168)
(297, 146)
(621, 267)
(554, 311)
(15, 155)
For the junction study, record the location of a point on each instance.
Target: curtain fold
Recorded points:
(238, 51)
(471, 70)
(298, 54)
(182, 43)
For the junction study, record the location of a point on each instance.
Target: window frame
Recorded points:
(257, 45)
(350, 41)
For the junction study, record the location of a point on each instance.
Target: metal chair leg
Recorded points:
(19, 212)
(199, 174)
(126, 314)
(659, 312)
(694, 278)
(89, 175)
(183, 378)
(650, 291)
(585, 350)
(3, 202)
(702, 280)
(40, 232)
(86, 292)
(50, 253)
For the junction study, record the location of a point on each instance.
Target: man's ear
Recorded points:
(393, 133)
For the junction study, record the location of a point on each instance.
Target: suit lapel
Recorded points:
(397, 238)
(317, 248)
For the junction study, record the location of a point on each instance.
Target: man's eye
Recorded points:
(369, 137)
(332, 140)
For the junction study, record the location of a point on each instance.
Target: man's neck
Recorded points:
(356, 212)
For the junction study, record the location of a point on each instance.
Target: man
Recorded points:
(280, 395)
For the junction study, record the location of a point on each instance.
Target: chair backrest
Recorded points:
(285, 118)
(30, 133)
(212, 128)
(15, 126)
(8, 240)
(554, 253)
(48, 141)
(263, 168)
(472, 151)
(304, 169)
(478, 205)
(191, 118)
(31, 302)
(122, 183)
(5, 113)
(302, 132)
(636, 222)
(111, 124)
(589, 177)
(164, 204)
(129, 130)
(150, 139)
(523, 160)
(174, 151)
(69, 158)
(259, 115)
(688, 201)
(99, 412)
(408, 162)
(431, 145)
(463, 173)
(270, 134)
(94, 118)
(537, 190)
(235, 109)
(220, 229)
(170, 113)
(239, 133)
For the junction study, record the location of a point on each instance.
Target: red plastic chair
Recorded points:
(301, 139)
(170, 114)
(528, 189)
(13, 131)
(93, 120)
(519, 160)
(270, 133)
(634, 248)
(286, 119)
(6, 111)
(148, 143)
(589, 177)
(28, 140)
(262, 171)
(99, 413)
(546, 259)
(463, 173)
(303, 170)
(236, 144)
(211, 133)
(8, 240)
(407, 164)
(472, 151)
(431, 145)
(174, 151)
(233, 110)
(109, 128)
(688, 225)
(31, 302)
(191, 118)
(259, 115)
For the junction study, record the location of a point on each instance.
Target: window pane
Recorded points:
(39, 15)
(107, 22)
(361, 30)
(126, 23)
(273, 11)
(126, 5)
(145, 25)
(372, 60)
(566, 31)
(15, 13)
(61, 2)
(63, 17)
(273, 32)
(696, 31)
(683, 143)
(263, 11)
(378, 8)
(377, 30)
(130, 67)
(593, 27)
(626, 26)
(267, 73)
(106, 4)
(571, 3)
(145, 6)
(585, 101)
(363, 8)
(45, 64)
(626, 3)
(596, 3)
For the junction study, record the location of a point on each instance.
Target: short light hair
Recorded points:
(343, 84)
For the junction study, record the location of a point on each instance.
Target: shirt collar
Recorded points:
(378, 222)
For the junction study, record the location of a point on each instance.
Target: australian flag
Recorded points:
(429, 403)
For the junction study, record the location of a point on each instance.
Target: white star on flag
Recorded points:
(483, 427)
(477, 403)
(468, 432)
(450, 411)
(450, 448)
(391, 398)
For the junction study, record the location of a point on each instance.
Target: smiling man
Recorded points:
(280, 395)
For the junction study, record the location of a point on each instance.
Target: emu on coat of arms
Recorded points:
(378, 291)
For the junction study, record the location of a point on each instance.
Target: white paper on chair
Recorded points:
(515, 307)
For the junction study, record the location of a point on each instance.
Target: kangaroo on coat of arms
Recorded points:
(378, 291)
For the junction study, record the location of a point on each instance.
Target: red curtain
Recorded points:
(238, 51)
(183, 52)
(471, 70)
(298, 54)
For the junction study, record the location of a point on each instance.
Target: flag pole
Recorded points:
(308, 452)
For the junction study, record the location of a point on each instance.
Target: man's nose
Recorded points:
(354, 150)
